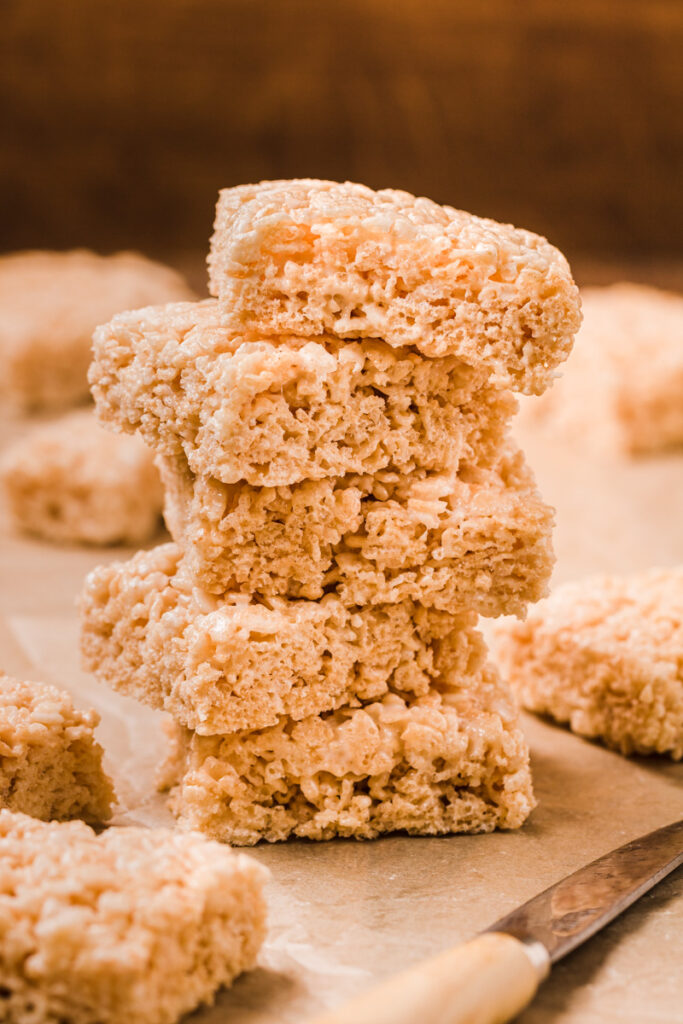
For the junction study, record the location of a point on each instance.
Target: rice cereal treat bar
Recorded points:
(605, 655)
(72, 481)
(134, 926)
(51, 302)
(280, 410)
(50, 761)
(480, 540)
(315, 257)
(451, 761)
(238, 662)
(623, 387)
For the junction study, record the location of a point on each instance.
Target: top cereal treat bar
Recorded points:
(314, 257)
(623, 387)
(51, 303)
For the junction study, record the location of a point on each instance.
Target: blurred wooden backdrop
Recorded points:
(123, 117)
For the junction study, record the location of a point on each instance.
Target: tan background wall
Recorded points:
(123, 117)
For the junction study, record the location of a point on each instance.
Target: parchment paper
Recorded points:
(343, 914)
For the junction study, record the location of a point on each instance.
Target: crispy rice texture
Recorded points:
(606, 656)
(623, 387)
(452, 761)
(318, 257)
(71, 481)
(51, 302)
(237, 662)
(478, 541)
(50, 761)
(134, 926)
(277, 411)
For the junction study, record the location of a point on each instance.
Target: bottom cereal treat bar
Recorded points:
(452, 761)
(606, 656)
(238, 662)
(622, 387)
(135, 926)
(71, 481)
(478, 540)
(50, 762)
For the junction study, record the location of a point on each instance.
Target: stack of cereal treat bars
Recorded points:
(344, 500)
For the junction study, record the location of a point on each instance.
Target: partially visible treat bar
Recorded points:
(622, 390)
(51, 302)
(240, 662)
(453, 761)
(605, 655)
(50, 761)
(134, 926)
(280, 410)
(72, 482)
(315, 257)
(479, 540)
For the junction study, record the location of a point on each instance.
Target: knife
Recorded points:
(490, 979)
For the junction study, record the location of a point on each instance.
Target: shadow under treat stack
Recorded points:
(344, 499)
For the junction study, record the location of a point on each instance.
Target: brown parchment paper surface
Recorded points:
(343, 914)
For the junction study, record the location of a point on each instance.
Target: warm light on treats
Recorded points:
(622, 390)
(312, 257)
(605, 656)
(278, 411)
(238, 662)
(71, 481)
(51, 302)
(480, 540)
(332, 434)
(50, 761)
(443, 762)
(134, 926)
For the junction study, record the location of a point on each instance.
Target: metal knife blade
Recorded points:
(575, 908)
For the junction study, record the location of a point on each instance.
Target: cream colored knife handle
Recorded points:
(486, 981)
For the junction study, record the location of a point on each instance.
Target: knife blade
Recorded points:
(575, 908)
(490, 979)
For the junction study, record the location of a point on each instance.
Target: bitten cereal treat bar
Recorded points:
(134, 926)
(606, 656)
(314, 257)
(278, 411)
(50, 761)
(51, 302)
(237, 662)
(623, 387)
(453, 761)
(71, 481)
(480, 540)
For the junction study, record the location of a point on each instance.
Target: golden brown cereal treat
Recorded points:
(314, 257)
(239, 662)
(605, 655)
(480, 540)
(451, 761)
(277, 411)
(622, 389)
(134, 926)
(50, 761)
(71, 481)
(51, 302)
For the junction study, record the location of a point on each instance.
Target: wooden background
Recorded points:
(124, 117)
